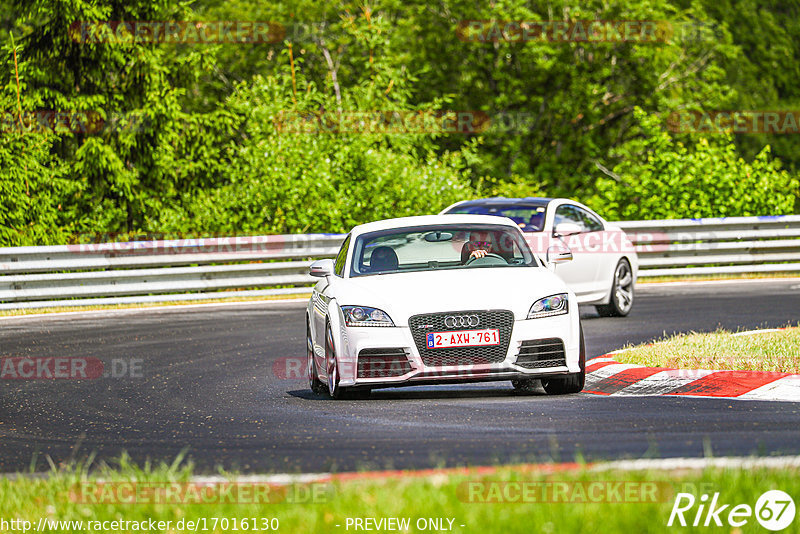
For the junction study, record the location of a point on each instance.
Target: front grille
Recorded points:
(540, 353)
(382, 363)
(420, 325)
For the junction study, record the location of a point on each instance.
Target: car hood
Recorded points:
(402, 295)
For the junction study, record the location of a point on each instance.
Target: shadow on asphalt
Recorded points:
(428, 393)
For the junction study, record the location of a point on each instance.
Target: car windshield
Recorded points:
(528, 218)
(464, 246)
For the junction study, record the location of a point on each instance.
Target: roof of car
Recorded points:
(527, 201)
(430, 220)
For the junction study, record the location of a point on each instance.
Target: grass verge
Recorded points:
(507, 501)
(713, 277)
(767, 351)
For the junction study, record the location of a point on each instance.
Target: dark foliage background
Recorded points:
(192, 139)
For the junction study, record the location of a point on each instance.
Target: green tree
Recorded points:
(577, 98)
(273, 179)
(33, 181)
(124, 171)
(191, 142)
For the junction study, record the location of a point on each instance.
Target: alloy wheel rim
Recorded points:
(333, 377)
(310, 355)
(624, 287)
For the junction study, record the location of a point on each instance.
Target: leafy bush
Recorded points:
(661, 178)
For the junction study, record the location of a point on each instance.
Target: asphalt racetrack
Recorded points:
(205, 380)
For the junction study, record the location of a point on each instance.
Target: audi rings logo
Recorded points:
(461, 321)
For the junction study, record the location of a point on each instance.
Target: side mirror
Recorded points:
(558, 254)
(321, 268)
(567, 228)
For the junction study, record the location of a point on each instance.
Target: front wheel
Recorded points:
(332, 365)
(314, 382)
(620, 301)
(571, 383)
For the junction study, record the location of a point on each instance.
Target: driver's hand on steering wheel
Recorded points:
(479, 253)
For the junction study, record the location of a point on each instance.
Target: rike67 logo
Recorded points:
(774, 510)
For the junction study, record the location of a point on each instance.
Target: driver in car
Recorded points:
(478, 246)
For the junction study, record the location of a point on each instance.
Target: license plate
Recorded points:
(463, 338)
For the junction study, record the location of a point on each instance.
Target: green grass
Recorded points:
(713, 277)
(769, 351)
(439, 496)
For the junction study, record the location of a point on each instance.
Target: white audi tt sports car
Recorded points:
(605, 264)
(437, 300)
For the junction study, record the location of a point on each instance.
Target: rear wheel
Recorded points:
(571, 383)
(314, 382)
(620, 301)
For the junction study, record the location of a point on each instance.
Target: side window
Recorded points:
(589, 221)
(567, 213)
(576, 215)
(338, 264)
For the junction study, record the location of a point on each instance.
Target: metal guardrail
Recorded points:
(155, 271)
(210, 268)
(726, 245)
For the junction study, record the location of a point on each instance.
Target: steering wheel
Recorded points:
(489, 256)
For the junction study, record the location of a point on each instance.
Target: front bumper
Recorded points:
(371, 340)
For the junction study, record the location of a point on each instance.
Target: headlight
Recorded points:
(549, 306)
(365, 316)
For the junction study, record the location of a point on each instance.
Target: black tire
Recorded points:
(571, 383)
(332, 365)
(620, 301)
(525, 385)
(334, 389)
(314, 382)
